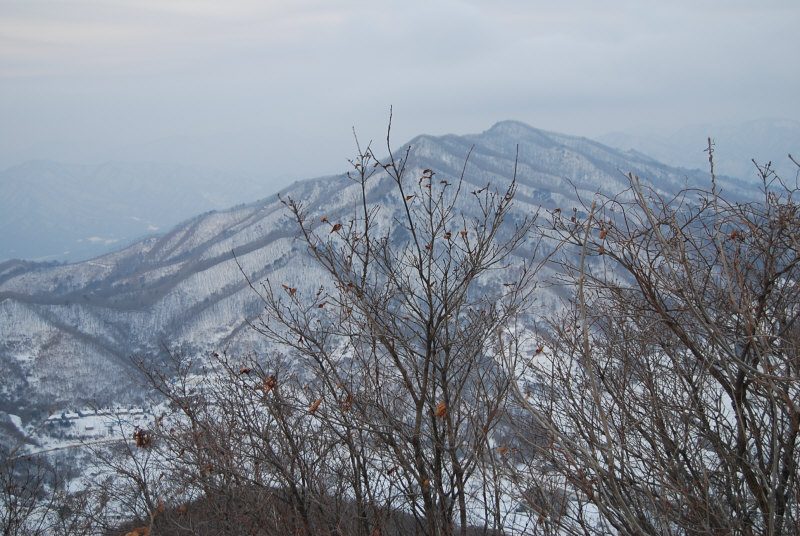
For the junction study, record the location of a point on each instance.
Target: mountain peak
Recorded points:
(186, 287)
(512, 127)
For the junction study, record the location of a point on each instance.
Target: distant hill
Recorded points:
(67, 331)
(735, 145)
(66, 212)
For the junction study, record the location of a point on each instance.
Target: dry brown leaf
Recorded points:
(269, 384)
(348, 402)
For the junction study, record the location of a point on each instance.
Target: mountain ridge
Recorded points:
(66, 331)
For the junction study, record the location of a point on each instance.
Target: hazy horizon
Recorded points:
(274, 89)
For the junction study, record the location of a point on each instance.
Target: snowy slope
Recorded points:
(67, 332)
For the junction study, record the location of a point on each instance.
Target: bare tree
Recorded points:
(23, 488)
(245, 452)
(35, 497)
(670, 399)
(126, 481)
(399, 344)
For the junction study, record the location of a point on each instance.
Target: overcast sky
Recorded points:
(275, 87)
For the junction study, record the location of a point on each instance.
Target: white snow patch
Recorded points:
(16, 420)
(105, 241)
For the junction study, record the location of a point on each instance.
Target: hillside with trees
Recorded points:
(423, 384)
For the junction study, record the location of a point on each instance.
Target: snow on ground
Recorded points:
(78, 428)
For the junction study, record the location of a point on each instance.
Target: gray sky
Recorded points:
(274, 88)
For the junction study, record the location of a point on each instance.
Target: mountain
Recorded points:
(736, 145)
(62, 212)
(67, 331)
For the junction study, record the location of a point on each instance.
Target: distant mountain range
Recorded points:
(67, 212)
(67, 331)
(736, 145)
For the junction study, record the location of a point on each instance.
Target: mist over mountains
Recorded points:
(67, 212)
(67, 332)
(736, 145)
(51, 210)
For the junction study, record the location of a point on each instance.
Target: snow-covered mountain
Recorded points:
(67, 332)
